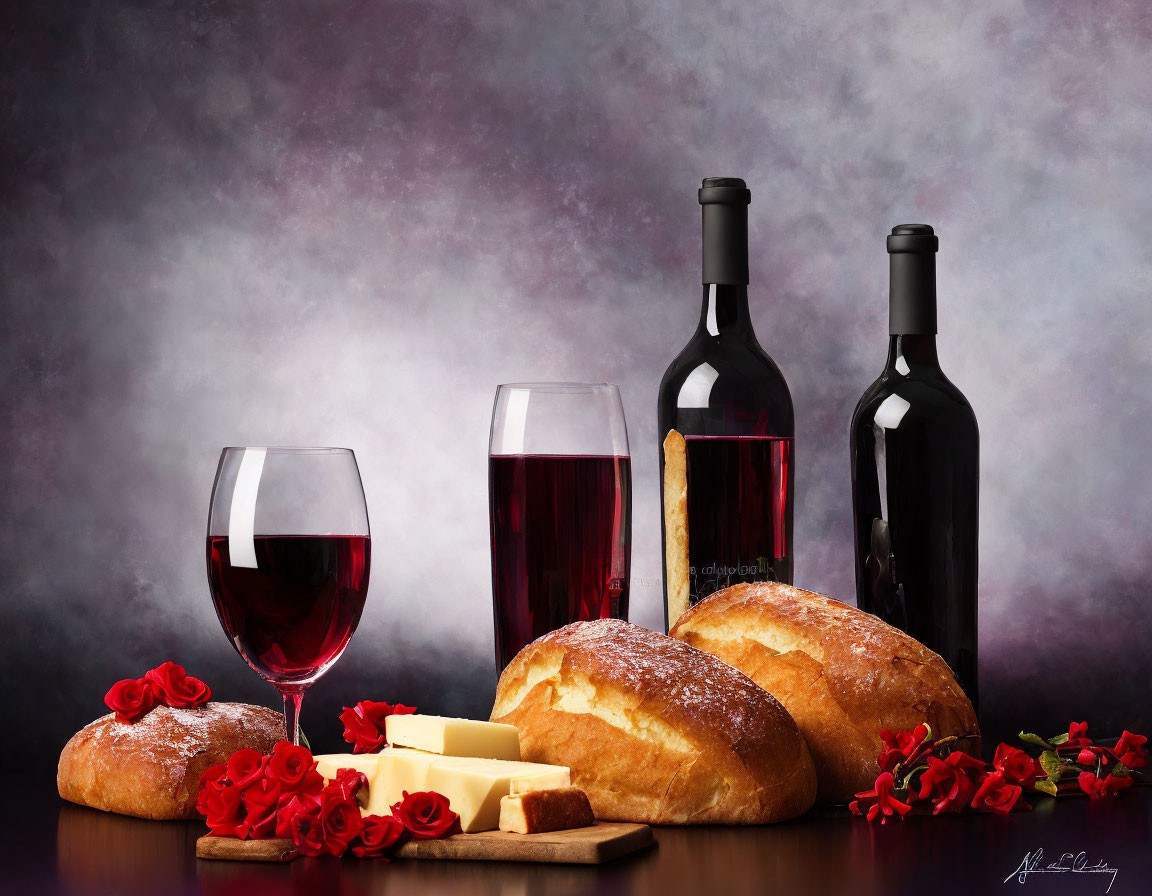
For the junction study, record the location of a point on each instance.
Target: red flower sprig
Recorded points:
(1074, 762)
(166, 685)
(364, 724)
(254, 797)
(919, 771)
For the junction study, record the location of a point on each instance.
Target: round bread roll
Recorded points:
(653, 730)
(842, 673)
(151, 768)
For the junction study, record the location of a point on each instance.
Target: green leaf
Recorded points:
(1120, 770)
(1059, 739)
(1046, 787)
(304, 741)
(1051, 764)
(1035, 739)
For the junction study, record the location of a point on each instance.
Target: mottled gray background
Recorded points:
(345, 223)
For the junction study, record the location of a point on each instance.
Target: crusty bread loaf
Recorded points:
(653, 730)
(152, 768)
(842, 673)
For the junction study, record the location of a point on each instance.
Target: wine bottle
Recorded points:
(916, 475)
(726, 426)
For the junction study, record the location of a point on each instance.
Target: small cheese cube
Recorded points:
(454, 737)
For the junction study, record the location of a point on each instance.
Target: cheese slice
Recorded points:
(331, 763)
(547, 777)
(454, 737)
(474, 786)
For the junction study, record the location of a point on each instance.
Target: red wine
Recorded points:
(732, 405)
(916, 476)
(560, 543)
(292, 615)
(739, 491)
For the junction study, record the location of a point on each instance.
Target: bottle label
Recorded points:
(712, 577)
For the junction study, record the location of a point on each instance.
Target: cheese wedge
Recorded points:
(454, 737)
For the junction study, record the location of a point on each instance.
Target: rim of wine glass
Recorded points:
(289, 449)
(560, 387)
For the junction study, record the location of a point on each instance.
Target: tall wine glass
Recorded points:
(560, 502)
(288, 556)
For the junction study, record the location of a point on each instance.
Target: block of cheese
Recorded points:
(474, 786)
(454, 737)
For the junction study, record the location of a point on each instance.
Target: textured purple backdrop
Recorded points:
(345, 223)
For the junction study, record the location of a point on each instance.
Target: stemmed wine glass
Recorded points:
(288, 556)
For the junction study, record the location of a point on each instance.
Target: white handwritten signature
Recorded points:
(1074, 863)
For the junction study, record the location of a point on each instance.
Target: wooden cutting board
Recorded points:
(602, 842)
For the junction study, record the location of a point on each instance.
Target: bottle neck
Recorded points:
(725, 311)
(911, 293)
(912, 350)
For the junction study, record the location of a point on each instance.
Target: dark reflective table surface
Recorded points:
(53, 847)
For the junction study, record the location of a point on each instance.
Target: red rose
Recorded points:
(1113, 784)
(426, 814)
(1016, 766)
(379, 833)
(1086, 756)
(222, 806)
(885, 806)
(260, 802)
(176, 688)
(294, 769)
(245, 767)
(292, 806)
(1078, 735)
(339, 820)
(353, 785)
(1098, 787)
(1131, 751)
(899, 746)
(947, 783)
(131, 699)
(995, 794)
(308, 834)
(364, 723)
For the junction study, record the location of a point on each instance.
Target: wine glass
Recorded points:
(288, 556)
(560, 504)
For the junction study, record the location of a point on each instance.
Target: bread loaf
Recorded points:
(653, 730)
(842, 673)
(152, 768)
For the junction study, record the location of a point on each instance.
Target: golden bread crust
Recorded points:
(842, 673)
(654, 730)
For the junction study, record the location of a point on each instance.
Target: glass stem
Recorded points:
(292, 701)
